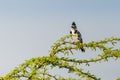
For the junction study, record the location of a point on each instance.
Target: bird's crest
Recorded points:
(74, 24)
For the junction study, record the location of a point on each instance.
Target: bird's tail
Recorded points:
(82, 49)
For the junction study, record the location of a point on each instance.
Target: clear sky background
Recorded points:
(29, 27)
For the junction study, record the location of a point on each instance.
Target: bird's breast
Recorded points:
(72, 30)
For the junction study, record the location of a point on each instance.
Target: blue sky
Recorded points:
(29, 27)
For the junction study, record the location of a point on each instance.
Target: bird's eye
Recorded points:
(74, 27)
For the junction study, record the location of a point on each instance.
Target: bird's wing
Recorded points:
(79, 36)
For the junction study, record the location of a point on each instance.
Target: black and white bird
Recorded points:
(76, 35)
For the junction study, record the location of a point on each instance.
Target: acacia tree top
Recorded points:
(59, 56)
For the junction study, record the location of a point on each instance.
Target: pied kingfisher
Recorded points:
(76, 35)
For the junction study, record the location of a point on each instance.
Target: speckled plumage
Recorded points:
(76, 35)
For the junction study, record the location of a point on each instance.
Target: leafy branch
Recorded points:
(38, 68)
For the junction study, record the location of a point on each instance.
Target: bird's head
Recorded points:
(73, 25)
